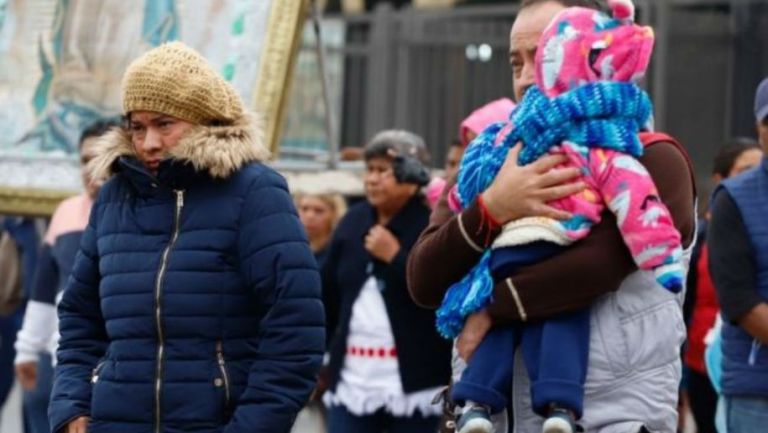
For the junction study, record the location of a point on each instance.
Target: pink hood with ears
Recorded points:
(583, 45)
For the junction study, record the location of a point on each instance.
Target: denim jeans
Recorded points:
(746, 414)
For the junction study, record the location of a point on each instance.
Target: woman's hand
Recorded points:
(323, 383)
(475, 328)
(519, 192)
(382, 244)
(79, 425)
(26, 372)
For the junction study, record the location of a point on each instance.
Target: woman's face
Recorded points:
(381, 188)
(748, 159)
(87, 153)
(154, 134)
(316, 215)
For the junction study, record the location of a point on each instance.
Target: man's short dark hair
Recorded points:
(97, 129)
(592, 4)
(729, 153)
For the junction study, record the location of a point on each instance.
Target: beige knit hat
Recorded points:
(176, 80)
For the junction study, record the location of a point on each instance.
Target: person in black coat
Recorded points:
(387, 361)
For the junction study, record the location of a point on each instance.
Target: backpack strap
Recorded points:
(650, 138)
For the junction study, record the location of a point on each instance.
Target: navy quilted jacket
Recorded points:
(194, 303)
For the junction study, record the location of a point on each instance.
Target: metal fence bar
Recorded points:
(412, 69)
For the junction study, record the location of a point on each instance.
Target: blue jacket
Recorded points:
(194, 303)
(745, 360)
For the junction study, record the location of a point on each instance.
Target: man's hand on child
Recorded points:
(524, 191)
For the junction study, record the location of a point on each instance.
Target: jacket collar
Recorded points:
(404, 218)
(210, 151)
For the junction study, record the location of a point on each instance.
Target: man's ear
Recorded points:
(762, 133)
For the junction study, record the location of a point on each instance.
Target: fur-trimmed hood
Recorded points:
(219, 150)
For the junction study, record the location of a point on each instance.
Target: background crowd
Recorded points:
(386, 367)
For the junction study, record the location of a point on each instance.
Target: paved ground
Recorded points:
(10, 417)
(308, 420)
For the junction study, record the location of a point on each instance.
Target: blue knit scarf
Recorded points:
(602, 114)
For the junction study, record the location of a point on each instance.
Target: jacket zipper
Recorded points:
(754, 352)
(158, 310)
(224, 375)
(96, 370)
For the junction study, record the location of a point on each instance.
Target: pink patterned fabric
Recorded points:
(580, 46)
(622, 183)
(620, 51)
(583, 45)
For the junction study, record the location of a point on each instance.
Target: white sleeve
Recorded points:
(36, 332)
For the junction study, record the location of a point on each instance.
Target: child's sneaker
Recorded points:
(476, 419)
(560, 421)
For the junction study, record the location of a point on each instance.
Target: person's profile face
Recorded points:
(523, 38)
(316, 215)
(762, 133)
(452, 161)
(381, 187)
(379, 180)
(746, 160)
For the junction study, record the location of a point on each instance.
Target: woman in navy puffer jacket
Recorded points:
(194, 304)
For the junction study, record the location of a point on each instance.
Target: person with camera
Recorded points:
(386, 361)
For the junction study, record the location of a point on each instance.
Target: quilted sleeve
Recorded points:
(83, 334)
(278, 265)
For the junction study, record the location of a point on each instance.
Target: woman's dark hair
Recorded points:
(729, 153)
(98, 128)
(592, 4)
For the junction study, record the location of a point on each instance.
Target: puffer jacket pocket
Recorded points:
(654, 336)
(113, 400)
(638, 328)
(97, 371)
(607, 347)
(96, 385)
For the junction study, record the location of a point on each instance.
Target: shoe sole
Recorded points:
(477, 426)
(557, 425)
